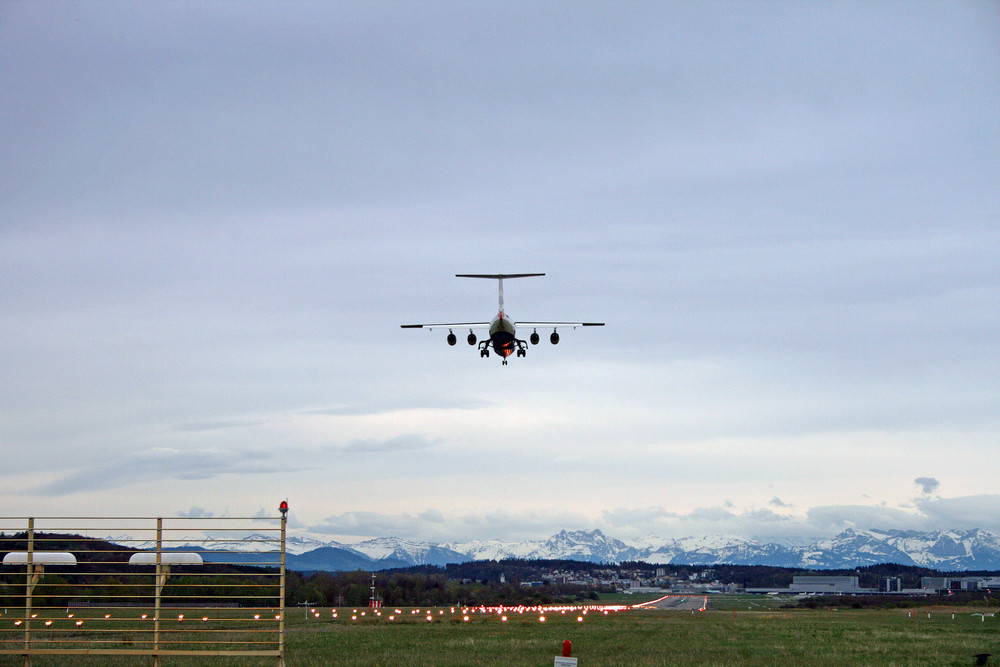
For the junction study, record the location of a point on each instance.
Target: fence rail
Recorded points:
(143, 586)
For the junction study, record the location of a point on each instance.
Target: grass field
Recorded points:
(736, 630)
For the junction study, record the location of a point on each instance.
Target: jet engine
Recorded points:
(534, 338)
(471, 338)
(554, 338)
(451, 338)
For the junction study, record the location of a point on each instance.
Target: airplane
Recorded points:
(502, 330)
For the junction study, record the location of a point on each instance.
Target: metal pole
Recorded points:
(281, 597)
(159, 588)
(29, 583)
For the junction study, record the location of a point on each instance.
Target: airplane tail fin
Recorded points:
(499, 278)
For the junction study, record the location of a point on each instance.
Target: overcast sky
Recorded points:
(214, 216)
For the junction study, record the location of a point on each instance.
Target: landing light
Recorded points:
(40, 558)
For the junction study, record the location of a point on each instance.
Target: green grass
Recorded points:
(732, 635)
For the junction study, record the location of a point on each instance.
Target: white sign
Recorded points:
(565, 662)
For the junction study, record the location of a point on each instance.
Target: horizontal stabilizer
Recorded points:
(497, 276)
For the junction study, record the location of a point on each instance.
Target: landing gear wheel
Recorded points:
(504, 362)
(484, 352)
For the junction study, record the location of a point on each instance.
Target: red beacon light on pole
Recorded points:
(283, 507)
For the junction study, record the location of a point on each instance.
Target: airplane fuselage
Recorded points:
(502, 335)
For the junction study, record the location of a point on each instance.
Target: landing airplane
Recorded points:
(503, 331)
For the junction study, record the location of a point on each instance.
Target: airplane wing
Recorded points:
(558, 324)
(442, 325)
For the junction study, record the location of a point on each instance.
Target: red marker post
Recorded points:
(565, 660)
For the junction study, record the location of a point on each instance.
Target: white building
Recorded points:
(821, 584)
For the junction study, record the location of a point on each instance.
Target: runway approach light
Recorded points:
(166, 558)
(40, 558)
(283, 508)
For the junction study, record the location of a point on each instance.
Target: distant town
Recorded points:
(542, 581)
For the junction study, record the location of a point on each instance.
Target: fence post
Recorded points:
(160, 580)
(283, 508)
(29, 587)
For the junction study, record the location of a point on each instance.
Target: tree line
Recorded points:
(417, 589)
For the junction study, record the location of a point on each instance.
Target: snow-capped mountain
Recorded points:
(716, 549)
(953, 550)
(592, 546)
(256, 542)
(941, 550)
(389, 549)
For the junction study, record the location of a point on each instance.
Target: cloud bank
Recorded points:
(822, 521)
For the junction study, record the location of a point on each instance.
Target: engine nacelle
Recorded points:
(554, 338)
(534, 338)
(471, 338)
(452, 339)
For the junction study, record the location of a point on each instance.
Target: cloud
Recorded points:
(433, 525)
(372, 524)
(927, 484)
(359, 408)
(636, 520)
(834, 518)
(433, 516)
(196, 513)
(409, 442)
(213, 425)
(712, 514)
(154, 464)
(777, 502)
(631, 523)
(961, 513)
(765, 515)
(163, 463)
(624, 523)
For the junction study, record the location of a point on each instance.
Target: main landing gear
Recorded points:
(521, 349)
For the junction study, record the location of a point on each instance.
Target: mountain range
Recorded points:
(949, 550)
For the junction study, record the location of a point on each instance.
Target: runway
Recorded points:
(676, 603)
